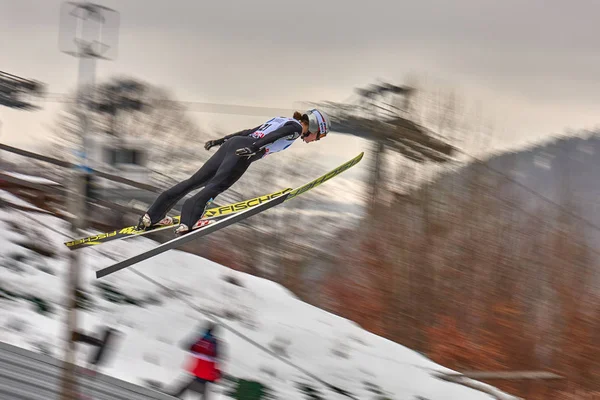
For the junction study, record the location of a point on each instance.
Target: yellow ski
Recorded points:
(214, 213)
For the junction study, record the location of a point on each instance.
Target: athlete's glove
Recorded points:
(212, 143)
(244, 151)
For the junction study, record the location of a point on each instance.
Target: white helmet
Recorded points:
(318, 122)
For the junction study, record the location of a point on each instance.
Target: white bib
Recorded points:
(272, 125)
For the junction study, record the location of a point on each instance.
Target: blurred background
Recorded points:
(468, 233)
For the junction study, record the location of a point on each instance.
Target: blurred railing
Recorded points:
(66, 164)
(26, 375)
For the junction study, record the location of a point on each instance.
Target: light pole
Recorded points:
(87, 31)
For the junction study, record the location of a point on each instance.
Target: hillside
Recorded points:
(33, 266)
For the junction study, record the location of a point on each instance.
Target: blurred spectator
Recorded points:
(204, 363)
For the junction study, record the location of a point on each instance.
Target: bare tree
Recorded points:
(130, 108)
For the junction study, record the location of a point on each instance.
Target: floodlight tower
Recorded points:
(89, 32)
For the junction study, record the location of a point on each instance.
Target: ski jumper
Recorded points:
(225, 167)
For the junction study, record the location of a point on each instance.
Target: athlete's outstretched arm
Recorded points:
(245, 132)
(219, 142)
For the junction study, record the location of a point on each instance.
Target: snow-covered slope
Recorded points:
(33, 264)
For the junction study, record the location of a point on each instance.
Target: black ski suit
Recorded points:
(221, 171)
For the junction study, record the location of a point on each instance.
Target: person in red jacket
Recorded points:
(203, 363)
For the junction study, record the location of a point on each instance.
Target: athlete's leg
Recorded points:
(167, 199)
(230, 170)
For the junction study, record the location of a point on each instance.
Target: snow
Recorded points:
(30, 178)
(332, 348)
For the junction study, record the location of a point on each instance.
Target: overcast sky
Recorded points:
(534, 65)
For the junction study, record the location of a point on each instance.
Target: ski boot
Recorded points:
(145, 222)
(182, 229)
